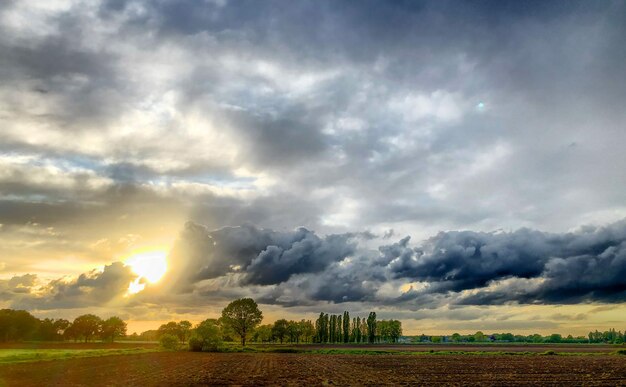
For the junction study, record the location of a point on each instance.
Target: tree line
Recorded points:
(240, 321)
(19, 325)
(608, 337)
(241, 318)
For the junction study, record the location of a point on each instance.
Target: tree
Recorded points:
(113, 328)
(346, 326)
(396, 330)
(184, 330)
(322, 326)
(363, 330)
(207, 336)
(16, 324)
(279, 330)
(87, 326)
(294, 331)
(171, 328)
(371, 327)
(555, 338)
(169, 342)
(242, 316)
(308, 330)
(51, 329)
(339, 334)
(263, 334)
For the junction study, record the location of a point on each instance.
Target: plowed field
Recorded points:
(187, 368)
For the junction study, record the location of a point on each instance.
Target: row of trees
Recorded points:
(283, 331)
(241, 318)
(18, 325)
(610, 337)
(339, 329)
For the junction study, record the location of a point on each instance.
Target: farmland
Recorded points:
(496, 365)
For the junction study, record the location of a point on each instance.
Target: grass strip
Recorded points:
(9, 356)
(339, 351)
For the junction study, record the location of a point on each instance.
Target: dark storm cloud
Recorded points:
(356, 280)
(264, 256)
(468, 260)
(583, 266)
(541, 268)
(587, 265)
(569, 280)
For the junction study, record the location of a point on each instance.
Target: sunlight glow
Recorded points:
(148, 265)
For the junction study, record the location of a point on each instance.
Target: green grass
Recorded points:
(8, 356)
(443, 353)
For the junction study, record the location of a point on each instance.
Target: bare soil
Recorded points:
(188, 368)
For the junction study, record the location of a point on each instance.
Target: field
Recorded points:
(586, 365)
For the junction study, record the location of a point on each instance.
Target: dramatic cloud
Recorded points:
(302, 270)
(96, 288)
(121, 120)
(460, 267)
(523, 266)
(265, 257)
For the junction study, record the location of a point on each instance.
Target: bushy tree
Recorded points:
(308, 330)
(181, 329)
(113, 328)
(279, 330)
(170, 328)
(555, 338)
(50, 329)
(169, 342)
(86, 326)
(242, 316)
(207, 336)
(16, 325)
(263, 334)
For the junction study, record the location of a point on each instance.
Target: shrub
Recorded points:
(206, 337)
(169, 342)
(620, 352)
(549, 353)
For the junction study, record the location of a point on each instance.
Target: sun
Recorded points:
(148, 265)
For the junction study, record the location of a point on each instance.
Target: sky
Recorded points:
(458, 165)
